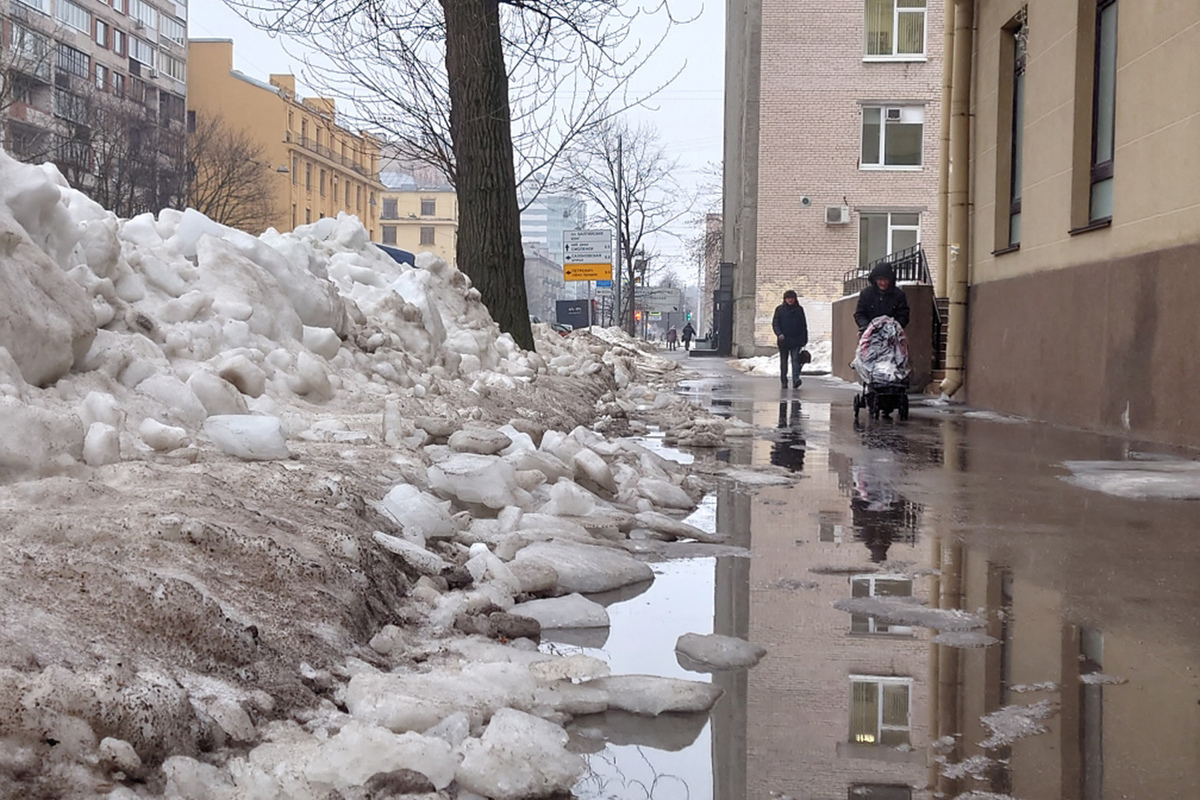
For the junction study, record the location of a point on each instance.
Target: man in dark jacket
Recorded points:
(883, 298)
(791, 332)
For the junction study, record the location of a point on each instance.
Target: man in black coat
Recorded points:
(883, 298)
(791, 332)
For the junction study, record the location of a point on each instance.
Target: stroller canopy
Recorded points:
(882, 355)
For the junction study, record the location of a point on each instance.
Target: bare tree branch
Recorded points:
(229, 180)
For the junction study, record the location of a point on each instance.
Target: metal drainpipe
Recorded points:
(960, 221)
(943, 249)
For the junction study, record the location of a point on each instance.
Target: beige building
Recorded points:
(1079, 247)
(831, 149)
(321, 168)
(419, 216)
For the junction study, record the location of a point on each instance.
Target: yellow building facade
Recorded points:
(419, 218)
(318, 167)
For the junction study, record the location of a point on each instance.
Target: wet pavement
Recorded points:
(1065, 611)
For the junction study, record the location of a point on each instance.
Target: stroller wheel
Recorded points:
(857, 406)
(873, 406)
(903, 407)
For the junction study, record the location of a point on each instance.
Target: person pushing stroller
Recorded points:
(882, 298)
(881, 359)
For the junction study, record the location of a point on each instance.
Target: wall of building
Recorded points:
(815, 81)
(1091, 329)
(319, 169)
(409, 229)
(544, 284)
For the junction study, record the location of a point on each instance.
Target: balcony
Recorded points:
(327, 153)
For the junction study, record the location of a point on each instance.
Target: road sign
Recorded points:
(604, 288)
(661, 298)
(587, 255)
(654, 314)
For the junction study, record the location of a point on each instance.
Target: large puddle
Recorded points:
(946, 613)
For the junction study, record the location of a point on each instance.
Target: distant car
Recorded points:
(398, 255)
(562, 328)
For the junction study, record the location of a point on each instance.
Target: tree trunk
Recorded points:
(489, 226)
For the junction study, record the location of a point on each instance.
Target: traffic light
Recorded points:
(637, 315)
(689, 316)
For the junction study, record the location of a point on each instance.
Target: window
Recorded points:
(1010, 134)
(389, 233)
(37, 5)
(74, 61)
(880, 235)
(879, 710)
(295, 180)
(304, 130)
(291, 123)
(144, 13)
(308, 176)
(427, 235)
(141, 51)
(171, 29)
(879, 586)
(892, 136)
(120, 42)
(307, 216)
(428, 207)
(32, 46)
(321, 185)
(118, 84)
(358, 197)
(1104, 102)
(389, 208)
(101, 77)
(347, 194)
(293, 212)
(73, 16)
(174, 67)
(70, 107)
(102, 36)
(895, 29)
(121, 6)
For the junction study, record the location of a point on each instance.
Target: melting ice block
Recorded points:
(572, 611)
(418, 512)
(359, 751)
(248, 437)
(587, 568)
(717, 652)
(519, 756)
(473, 478)
(651, 695)
(480, 441)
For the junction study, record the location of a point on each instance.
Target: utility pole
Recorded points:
(620, 242)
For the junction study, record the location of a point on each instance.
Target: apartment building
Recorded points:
(319, 168)
(544, 282)
(1083, 228)
(419, 216)
(831, 149)
(99, 89)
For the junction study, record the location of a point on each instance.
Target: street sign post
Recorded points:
(660, 298)
(587, 255)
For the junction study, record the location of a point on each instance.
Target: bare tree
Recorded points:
(650, 201)
(229, 180)
(476, 88)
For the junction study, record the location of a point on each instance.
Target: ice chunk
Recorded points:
(418, 702)
(389, 640)
(471, 478)
(1151, 479)
(717, 652)
(120, 754)
(417, 557)
(102, 407)
(591, 467)
(323, 341)
(1013, 723)
(359, 751)
(535, 577)
(453, 729)
(187, 777)
(180, 401)
(661, 523)
(577, 667)
(908, 611)
(162, 438)
(418, 512)
(246, 376)
(651, 695)
(569, 499)
(571, 611)
(101, 445)
(665, 494)
(481, 441)
(251, 438)
(587, 568)
(519, 756)
(217, 395)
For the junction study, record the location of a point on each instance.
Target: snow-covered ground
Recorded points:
(270, 501)
(768, 366)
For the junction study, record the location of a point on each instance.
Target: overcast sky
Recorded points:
(688, 114)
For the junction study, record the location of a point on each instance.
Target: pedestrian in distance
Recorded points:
(791, 333)
(882, 298)
(689, 333)
(672, 338)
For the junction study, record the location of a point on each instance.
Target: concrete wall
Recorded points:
(919, 332)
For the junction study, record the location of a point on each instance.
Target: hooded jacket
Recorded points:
(874, 303)
(790, 323)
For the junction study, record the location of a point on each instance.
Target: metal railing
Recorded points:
(328, 153)
(909, 265)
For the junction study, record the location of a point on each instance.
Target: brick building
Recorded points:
(831, 148)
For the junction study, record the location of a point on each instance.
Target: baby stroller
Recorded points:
(881, 362)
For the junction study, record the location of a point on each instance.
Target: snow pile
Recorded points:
(768, 366)
(291, 499)
(909, 611)
(1013, 723)
(1149, 479)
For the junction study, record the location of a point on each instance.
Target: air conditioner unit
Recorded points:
(153, 73)
(837, 215)
(138, 24)
(893, 115)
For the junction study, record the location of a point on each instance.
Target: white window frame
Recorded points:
(881, 681)
(872, 629)
(144, 13)
(102, 77)
(40, 6)
(73, 16)
(153, 54)
(896, 12)
(173, 67)
(883, 109)
(891, 228)
(168, 25)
